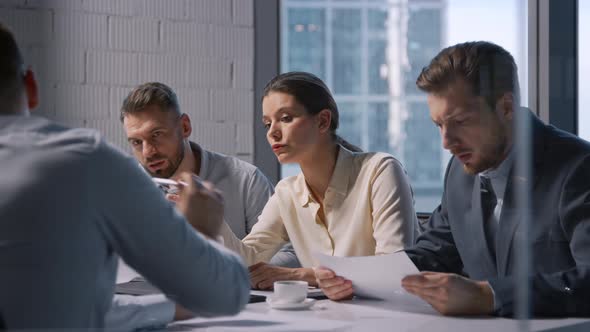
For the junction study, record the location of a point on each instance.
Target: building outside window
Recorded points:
(370, 52)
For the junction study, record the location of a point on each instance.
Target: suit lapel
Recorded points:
(512, 214)
(509, 220)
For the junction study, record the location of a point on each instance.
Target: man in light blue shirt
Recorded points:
(70, 203)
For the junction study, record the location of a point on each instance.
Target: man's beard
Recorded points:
(491, 155)
(174, 164)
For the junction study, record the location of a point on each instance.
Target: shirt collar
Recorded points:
(198, 150)
(339, 181)
(502, 170)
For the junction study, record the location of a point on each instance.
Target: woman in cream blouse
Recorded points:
(343, 203)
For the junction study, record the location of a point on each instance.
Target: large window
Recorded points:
(370, 53)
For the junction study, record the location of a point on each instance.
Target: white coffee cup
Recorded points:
(290, 291)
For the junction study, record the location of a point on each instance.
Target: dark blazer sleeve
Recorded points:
(562, 293)
(435, 248)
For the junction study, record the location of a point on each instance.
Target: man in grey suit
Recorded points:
(467, 247)
(473, 99)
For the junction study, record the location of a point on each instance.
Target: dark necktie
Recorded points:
(488, 204)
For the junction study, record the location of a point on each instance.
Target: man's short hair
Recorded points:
(11, 71)
(489, 69)
(150, 94)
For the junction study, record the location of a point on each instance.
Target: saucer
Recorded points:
(280, 305)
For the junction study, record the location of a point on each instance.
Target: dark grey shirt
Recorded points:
(69, 203)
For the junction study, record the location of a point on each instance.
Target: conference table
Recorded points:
(367, 315)
(360, 315)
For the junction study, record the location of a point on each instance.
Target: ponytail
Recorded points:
(346, 144)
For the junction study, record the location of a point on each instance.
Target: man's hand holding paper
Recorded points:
(451, 294)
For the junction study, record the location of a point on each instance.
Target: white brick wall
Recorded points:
(56, 64)
(219, 137)
(217, 11)
(245, 144)
(231, 104)
(171, 9)
(243, 11)
(82, 102)
(116, 97)
(78, 29)
(186, 37)
(88, 55)
(112, 7)
(242, 74)
(133, 34)
(55, 4)
(195, 102)
(30, 27)
(232, 43)
(112, 68)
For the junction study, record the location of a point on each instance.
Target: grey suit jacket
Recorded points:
(454, 241)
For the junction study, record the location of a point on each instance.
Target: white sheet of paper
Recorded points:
(125, 273)
(376, 277)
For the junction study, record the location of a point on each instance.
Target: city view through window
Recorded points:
(370, 52)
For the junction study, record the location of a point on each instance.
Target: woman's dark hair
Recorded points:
(313, 94)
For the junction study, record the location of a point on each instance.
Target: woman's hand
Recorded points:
(263, 276)
(334, 287)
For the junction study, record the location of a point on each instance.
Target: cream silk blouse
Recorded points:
(368, 207)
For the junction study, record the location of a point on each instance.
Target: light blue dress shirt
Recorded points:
(69, 205)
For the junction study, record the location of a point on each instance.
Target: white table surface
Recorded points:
(366, 316)
(358, 315)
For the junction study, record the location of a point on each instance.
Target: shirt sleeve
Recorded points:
(129, 313)
(141, 226)
(265, 239)
(435, 248)
(394, 218)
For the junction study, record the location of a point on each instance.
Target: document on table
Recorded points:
(378, 277)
